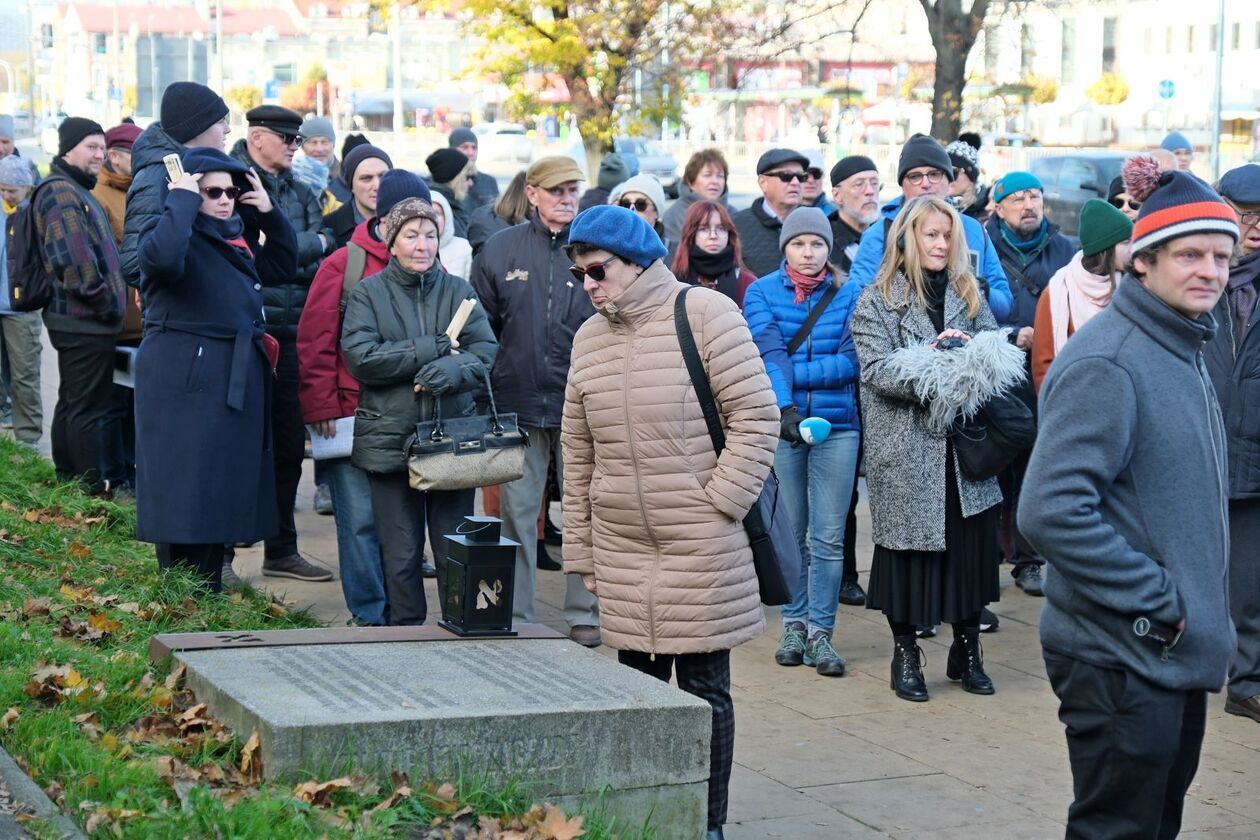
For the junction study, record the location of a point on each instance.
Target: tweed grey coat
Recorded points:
(910, 393)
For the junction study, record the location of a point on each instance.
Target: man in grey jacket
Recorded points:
(1126, 497)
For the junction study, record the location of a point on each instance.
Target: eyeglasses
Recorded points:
(789, 177)
(289, 138)
(815, 173)
(1249, 219)
(935, 176)
(712, 231)
(215, 193)
(595, 271)
(640, 204)
(1119, 203)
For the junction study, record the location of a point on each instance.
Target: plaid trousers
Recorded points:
(707, 676)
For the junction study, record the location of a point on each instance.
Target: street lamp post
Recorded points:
(1216, 98)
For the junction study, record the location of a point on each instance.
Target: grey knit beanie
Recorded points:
(804, 220)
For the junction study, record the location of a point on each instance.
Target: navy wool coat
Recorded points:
(204, 468)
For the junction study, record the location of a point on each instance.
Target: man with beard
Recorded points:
(855, 191)
(1031, 250)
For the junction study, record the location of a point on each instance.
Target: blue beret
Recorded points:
(205, 159)
(1013, 182)
(1241, 185)
(618, 231)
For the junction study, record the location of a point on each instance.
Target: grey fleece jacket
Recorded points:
(1126, 495)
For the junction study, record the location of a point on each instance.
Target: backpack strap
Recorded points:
(356, 264)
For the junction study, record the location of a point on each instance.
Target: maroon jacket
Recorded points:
(325, 387)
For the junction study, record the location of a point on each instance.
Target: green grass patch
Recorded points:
(117, 742)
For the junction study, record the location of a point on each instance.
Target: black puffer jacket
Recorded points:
(394, 336)
(482, 224)
(146, 197)
(282, 304)
(522, 278)
(759, 238)
(1233, 363)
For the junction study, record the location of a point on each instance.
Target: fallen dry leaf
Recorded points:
(400, 793)
(555, 826)
(32, 607)
(9, 718)
(320, 794)
(251, 758)
(10, 538)
(175, 680)
(79, 551)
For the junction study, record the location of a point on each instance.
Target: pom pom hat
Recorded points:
(1174, 204)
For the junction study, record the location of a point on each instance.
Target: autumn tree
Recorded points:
(624, 62)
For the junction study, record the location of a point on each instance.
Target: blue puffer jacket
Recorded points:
(821, 377)
(871, 253)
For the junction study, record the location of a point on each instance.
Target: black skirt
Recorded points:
(927, 588)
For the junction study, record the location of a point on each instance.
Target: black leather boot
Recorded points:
(907, 670)
(966, 663)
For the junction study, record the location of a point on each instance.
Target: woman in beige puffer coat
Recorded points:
(653, 518)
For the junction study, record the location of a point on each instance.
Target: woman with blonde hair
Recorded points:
(930, 352)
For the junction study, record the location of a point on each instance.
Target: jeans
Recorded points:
(358, 549)
(817, 485)
(1133, 746)
(518, 503)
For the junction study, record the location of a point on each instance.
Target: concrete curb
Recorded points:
(26, 792)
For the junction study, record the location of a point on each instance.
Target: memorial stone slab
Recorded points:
(574, 724)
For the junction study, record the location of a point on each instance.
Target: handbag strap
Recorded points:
(812, 319)
(695, 367)
(495, 427)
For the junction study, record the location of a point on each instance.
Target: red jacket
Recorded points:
(325, 386)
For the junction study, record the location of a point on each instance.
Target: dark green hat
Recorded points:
(1102, 226)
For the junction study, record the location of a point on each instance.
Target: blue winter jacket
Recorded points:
(983, 255)
(821, 377)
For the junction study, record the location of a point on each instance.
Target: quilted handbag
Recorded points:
(464, 452)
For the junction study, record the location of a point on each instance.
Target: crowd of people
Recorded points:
(281, 289)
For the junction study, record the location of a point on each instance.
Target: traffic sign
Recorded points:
(1167, 89)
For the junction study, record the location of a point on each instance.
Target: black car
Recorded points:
(1073, 178)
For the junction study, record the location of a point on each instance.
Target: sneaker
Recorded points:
(295, 566)
(988, 621)
(544, 561)
(551, 534)
(852, 594)
(586, 635)
(792, 646)
(925, 632)
(1029, 580)
(323, 500)
(231, 580)
(427, 569)
(821, 655)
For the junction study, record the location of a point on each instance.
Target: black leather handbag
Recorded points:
(776, 553)
(993, 438)
(464, 452)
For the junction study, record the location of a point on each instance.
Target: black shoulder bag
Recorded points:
(776, 554)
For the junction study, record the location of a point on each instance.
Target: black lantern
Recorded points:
(480, 572)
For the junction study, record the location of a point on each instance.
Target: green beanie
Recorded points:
(1102, 226)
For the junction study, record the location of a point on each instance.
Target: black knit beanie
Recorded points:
(921, 150)
(189, 109)
(72, 132)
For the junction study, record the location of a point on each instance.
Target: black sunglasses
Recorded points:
(1119, 203)
(215, 193)
(595, 271)
(789, 177)
(289, 138)
(640, 204)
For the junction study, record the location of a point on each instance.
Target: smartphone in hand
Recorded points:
(174, 167)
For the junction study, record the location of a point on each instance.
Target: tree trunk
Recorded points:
(953, 34)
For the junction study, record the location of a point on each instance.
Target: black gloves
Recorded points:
(790, 426)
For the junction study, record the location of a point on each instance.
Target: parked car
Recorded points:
(503, 141)
(1073, 178)
(652, 159)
